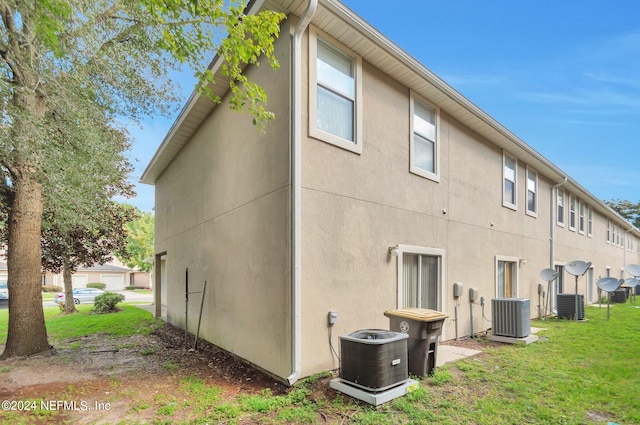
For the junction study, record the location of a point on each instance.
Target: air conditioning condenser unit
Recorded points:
(511, 317)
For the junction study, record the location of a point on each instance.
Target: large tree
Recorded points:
(95, 242)
(69, 70)
(139, 242)
(627, 209)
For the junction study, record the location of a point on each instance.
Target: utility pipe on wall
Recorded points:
(296, 190)
(552, 235)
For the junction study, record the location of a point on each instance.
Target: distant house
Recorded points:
(377, 186)
(114, 275)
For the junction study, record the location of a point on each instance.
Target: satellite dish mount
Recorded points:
(548, 275)
(608, 284)
(577, 268)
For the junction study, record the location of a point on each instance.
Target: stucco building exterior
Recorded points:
(377, 186)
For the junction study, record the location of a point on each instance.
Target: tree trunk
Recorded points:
(69, 305)
(27, 333)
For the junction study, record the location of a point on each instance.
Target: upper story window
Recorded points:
(425, 146)
(589, 221)
(335, 94)
(572, 212)
(581, 222)
(608, 231)
(532, 192)
(560, 195)
(509, 173)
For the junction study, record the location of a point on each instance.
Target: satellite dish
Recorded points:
(577, 268)
(633, 269)
(608, 284)
(631, 282)
(549, 274)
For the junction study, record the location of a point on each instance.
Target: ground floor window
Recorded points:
(590, 286)
(506, 277)
(420, 277)
(560, 280)
(420, 281)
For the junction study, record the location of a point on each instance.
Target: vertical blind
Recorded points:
(420, 281)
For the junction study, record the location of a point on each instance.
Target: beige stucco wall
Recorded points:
(222, 212)
(355, 206)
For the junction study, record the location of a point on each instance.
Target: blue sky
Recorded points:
(564, 76)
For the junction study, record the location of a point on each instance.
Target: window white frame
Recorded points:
(531, 190)
(420, 250)
(560, 206)
(557, 285)
(589, 221)
(354, 145)
(516, 262)
(509, 176)
(414, 130)
(572, 212)
(591, 290)
(608, 231)
(581, 217)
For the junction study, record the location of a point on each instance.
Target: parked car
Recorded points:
(80, 295)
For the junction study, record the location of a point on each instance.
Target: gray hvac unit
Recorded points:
(619, 296)
(374, 359)
(511, 317)
(567, 306)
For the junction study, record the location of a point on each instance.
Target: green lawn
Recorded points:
(130, 320)
(579, 373)
(48, 296)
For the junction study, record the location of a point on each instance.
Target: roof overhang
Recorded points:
(344, 25)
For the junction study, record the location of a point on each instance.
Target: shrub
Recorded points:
(96, 285)
(106, 303)
(52, 288)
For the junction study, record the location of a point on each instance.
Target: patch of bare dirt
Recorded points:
(98, 379)
(104, 380)
(479, 344)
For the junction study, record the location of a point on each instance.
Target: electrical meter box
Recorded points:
(457, 290)
(473, 294)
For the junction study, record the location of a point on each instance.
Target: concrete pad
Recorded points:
(510, 340)
(374, 398)
(451, 353)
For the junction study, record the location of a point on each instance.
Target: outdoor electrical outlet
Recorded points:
(483, 300)
(333, 318)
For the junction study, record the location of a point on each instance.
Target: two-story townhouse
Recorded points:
(377, 186)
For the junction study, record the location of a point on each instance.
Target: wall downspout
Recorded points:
(552, 230)
(296, 191)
